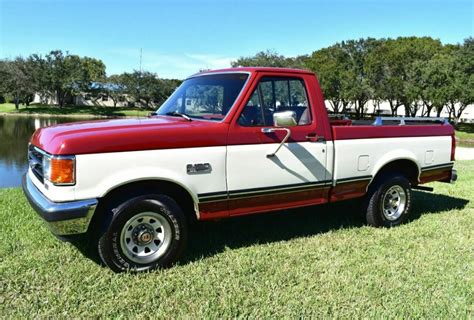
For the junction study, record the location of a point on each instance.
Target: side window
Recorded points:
(275, 95)
(298, 94)
(252, 114)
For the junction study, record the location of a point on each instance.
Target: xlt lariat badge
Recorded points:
(198, 168)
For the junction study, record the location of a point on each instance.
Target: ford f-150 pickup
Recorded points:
(226, 143)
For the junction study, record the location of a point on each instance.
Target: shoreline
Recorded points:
(85, 116)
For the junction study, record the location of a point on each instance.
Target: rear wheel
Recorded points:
(388, 201)
(146, 232)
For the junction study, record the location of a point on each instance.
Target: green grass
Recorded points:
(465, 134)
(318, 261)
(9, 108)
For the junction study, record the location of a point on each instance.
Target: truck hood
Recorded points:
(118, 135)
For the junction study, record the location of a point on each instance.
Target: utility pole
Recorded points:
(140, 61)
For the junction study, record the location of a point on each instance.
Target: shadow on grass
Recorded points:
(212, 237)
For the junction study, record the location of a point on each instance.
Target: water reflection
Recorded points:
(15, 133)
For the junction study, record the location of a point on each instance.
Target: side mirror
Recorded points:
(281, 121)
(284, 119)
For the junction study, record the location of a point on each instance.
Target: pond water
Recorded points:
(15, 133)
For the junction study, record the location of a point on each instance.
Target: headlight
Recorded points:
(59, 170)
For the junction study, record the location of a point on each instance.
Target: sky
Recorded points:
(179, 37)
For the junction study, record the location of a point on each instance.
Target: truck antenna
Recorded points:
(140, 60)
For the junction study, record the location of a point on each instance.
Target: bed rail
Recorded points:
(379, 120)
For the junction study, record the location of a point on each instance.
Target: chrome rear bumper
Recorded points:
(62, 218)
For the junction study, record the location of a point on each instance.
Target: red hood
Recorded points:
(118, 135)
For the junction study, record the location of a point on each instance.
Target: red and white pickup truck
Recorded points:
(226, 143)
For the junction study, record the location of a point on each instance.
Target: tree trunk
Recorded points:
(17, 103)
(407, 110)
(452, 111)
(393, 107)
(359, 105)
(59, 97)
(428, 111)
(414, 109)
(356, 109)
(344, 106)
(335, 105)
(457, 115)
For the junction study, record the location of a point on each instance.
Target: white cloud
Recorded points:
(173, 65)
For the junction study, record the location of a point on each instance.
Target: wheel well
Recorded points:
(137, 188)
(406, 167)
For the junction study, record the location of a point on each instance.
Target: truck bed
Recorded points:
(361, 148)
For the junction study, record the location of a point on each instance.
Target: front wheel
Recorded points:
(145, 233)
(388, 201)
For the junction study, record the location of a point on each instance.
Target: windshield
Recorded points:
(205, 97)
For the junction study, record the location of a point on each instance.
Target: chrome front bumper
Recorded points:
(63, 218)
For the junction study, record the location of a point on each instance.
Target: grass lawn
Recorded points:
(465, 134)
(318, 261)
(75, 110)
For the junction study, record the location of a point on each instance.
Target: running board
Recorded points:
(430, 189)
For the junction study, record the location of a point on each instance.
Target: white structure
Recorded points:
(384, 109)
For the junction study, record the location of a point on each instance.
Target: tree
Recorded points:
(391, 69)
(39, 71)
(16, 80)
(461, 90)
(169, 86)
(437, 78)
(115, 88)
(328, 64)
(270, 58)
(144, 86)
(355, 84)
(67, 75)
(382, 76)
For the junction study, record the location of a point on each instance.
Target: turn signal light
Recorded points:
(62, 171)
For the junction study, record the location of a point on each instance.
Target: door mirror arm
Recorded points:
(272, 130)
(281, 120)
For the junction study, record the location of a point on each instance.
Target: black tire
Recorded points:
(382, 189)
(115, 252)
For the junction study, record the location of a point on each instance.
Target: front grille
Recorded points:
(35, 161)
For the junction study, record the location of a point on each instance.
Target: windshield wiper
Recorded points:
(178, 114)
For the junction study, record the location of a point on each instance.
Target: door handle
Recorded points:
(313, 137)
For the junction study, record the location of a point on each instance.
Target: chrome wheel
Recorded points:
(145, 237)
(394, 203)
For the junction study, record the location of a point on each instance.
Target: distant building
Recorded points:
(383, 108)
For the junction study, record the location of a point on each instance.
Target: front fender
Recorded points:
(97, 174)
(142, 174)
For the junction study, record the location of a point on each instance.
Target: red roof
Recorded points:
(257, 69)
